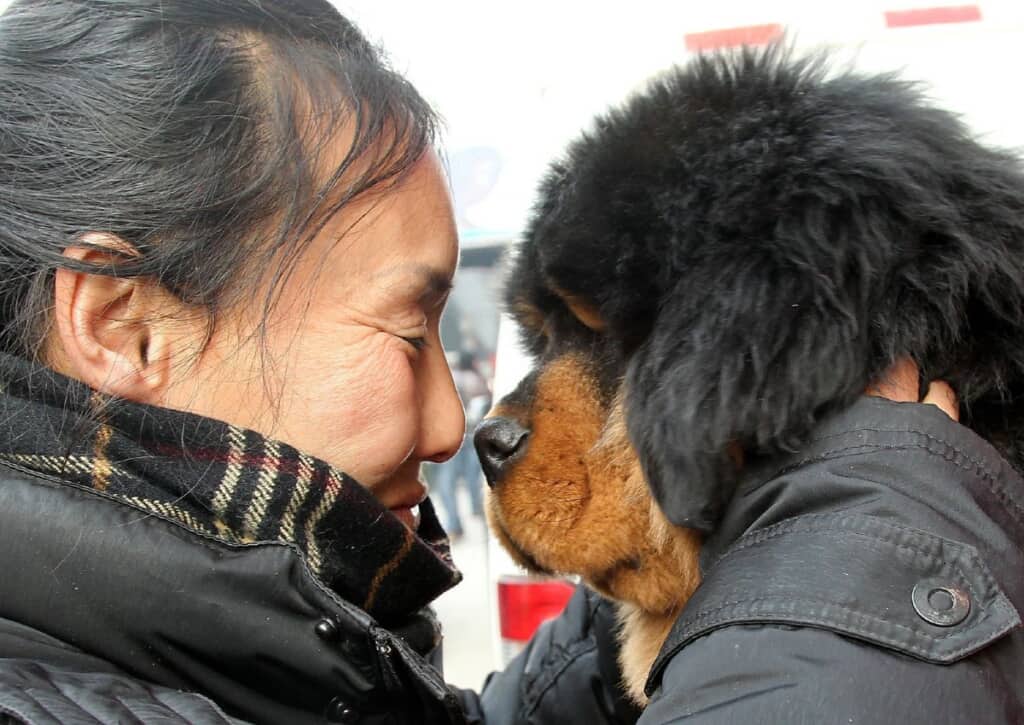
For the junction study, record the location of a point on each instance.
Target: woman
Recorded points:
(226, 243)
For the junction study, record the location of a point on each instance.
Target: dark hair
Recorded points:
(194, 130)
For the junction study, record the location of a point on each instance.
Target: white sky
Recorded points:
(524, 77)
(521, 78)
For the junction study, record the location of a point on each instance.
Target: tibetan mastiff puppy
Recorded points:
(728, 257)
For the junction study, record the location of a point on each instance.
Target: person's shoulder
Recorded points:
(870, 578)
(772, 673)
(33, 691)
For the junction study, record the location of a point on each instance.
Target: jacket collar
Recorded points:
(905, 461)
(885, 505)
(250, 625)
(225, 482)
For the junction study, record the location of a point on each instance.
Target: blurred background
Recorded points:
(515, 81)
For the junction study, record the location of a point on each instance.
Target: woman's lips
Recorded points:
(408, 512)
(408, 515)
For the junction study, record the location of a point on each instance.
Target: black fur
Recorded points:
(764, 238)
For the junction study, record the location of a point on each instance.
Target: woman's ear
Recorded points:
(107, 330)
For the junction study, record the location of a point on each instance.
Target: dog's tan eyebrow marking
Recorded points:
(583, 311)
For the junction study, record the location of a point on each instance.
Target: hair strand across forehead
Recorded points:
(199, 133)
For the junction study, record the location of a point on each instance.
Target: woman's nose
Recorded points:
(443, 421)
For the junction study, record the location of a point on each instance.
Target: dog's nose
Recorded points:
(498, 441)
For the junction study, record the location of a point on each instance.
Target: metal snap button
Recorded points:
(938, 602)
(326, 629)
(339, 711)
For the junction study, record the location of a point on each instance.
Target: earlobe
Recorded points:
(103, 332)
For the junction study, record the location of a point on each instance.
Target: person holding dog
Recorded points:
(226, 243)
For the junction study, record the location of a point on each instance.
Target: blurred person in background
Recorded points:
(464, 466)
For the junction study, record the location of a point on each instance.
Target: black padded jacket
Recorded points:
(110, 614)
(876, 577)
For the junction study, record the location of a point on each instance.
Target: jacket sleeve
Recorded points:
(42, 694)
(567, 674)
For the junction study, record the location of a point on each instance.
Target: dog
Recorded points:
(728, 257)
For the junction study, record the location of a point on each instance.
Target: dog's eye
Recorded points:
(533, 325)
(535, 342)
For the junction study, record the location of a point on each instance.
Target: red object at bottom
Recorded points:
(524, 604)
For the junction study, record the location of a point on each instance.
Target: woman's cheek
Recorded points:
(381, 414)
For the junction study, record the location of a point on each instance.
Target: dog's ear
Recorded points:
(743, 357)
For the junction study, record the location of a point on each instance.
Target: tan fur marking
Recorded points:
(501, 410)
(548, 489)
(642, 636)
(582, 310)
(587, 314)
(578, 503)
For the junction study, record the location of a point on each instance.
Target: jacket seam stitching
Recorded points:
(792, 526)
(879, 544)
(716, 617)
(958, 459)
(706, 613)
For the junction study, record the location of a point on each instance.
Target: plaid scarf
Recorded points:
(222, 481)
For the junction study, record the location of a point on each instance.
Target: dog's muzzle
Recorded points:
(499, 442)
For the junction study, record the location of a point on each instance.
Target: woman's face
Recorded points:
(355, 373)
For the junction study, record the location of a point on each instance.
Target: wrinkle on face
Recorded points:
(336, 379)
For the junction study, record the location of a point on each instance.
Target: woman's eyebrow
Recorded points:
(436, 282)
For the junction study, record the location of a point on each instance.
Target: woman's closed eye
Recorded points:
(418, 343)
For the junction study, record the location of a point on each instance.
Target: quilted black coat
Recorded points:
(876, 577)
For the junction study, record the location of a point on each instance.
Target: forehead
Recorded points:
(407, 230)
